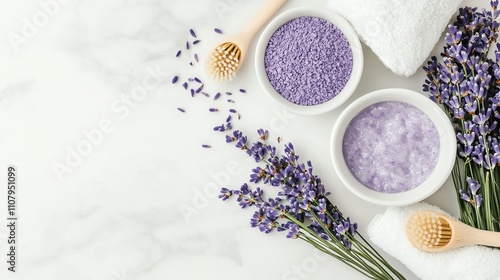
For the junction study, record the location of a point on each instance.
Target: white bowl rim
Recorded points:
(446, 158)
(357, 56)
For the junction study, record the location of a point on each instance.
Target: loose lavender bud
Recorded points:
(192, 33)
(191, 63)
(199, 89)
(242, 90)
(187, 45)
(178, 53)
(213, 110)
(206, 146)
(196, 57)
(196, 42)
(185, 85)
(174, 80)
(230, 101)
(239, 117)
(181, 110)
(229, 93)
(232, 111)
(220, 128)
(228, 119)
(197, 80)
(217, 95)
(217, 30)
(205, 94)
(191, 79)
(192, 92)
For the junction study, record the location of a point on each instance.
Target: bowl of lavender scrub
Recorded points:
(393, 147)
(309, 61)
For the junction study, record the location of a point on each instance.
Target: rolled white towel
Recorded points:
(401, 33)
(388, 231)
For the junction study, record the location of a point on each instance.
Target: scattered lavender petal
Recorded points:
(217, 95)
(197, 80)
(242, 90)
(174, 80)
(199, 89)
(228, 119)
(182, 110)
(185, 85)
(217, 30)
(187, 45)
(178, 53)
(213, 110)
(206, 146)
(230, 101)
(192, 33)
(196, 42)
(206, 94)
(219, 128)
(192, 92)
(232, 110)
(229, 93)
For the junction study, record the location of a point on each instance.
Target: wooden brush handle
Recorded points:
(265, 13)
(488, 238)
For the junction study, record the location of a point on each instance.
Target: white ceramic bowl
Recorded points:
(447, 151)
(357, 56)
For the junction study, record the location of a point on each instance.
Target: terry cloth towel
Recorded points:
(388, 231)
(401, 33)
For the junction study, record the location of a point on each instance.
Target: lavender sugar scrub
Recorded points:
(308, 61)
(391, 147)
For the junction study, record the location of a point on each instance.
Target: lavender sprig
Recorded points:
(301, 207)
(467, 85)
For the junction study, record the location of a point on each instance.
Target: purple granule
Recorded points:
(391, 147)
(217, 30)
(195, 42)
(308, 61)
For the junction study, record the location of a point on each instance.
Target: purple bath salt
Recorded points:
(308, 61)
(391, 147)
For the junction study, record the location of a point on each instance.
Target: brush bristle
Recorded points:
(224, 61)
(426, 230)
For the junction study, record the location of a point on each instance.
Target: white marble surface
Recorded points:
(139, 203)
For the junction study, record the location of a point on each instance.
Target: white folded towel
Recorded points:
(472, 262)
(401, 33)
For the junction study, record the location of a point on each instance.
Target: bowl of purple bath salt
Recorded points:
(393, 147)
(309, 61)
